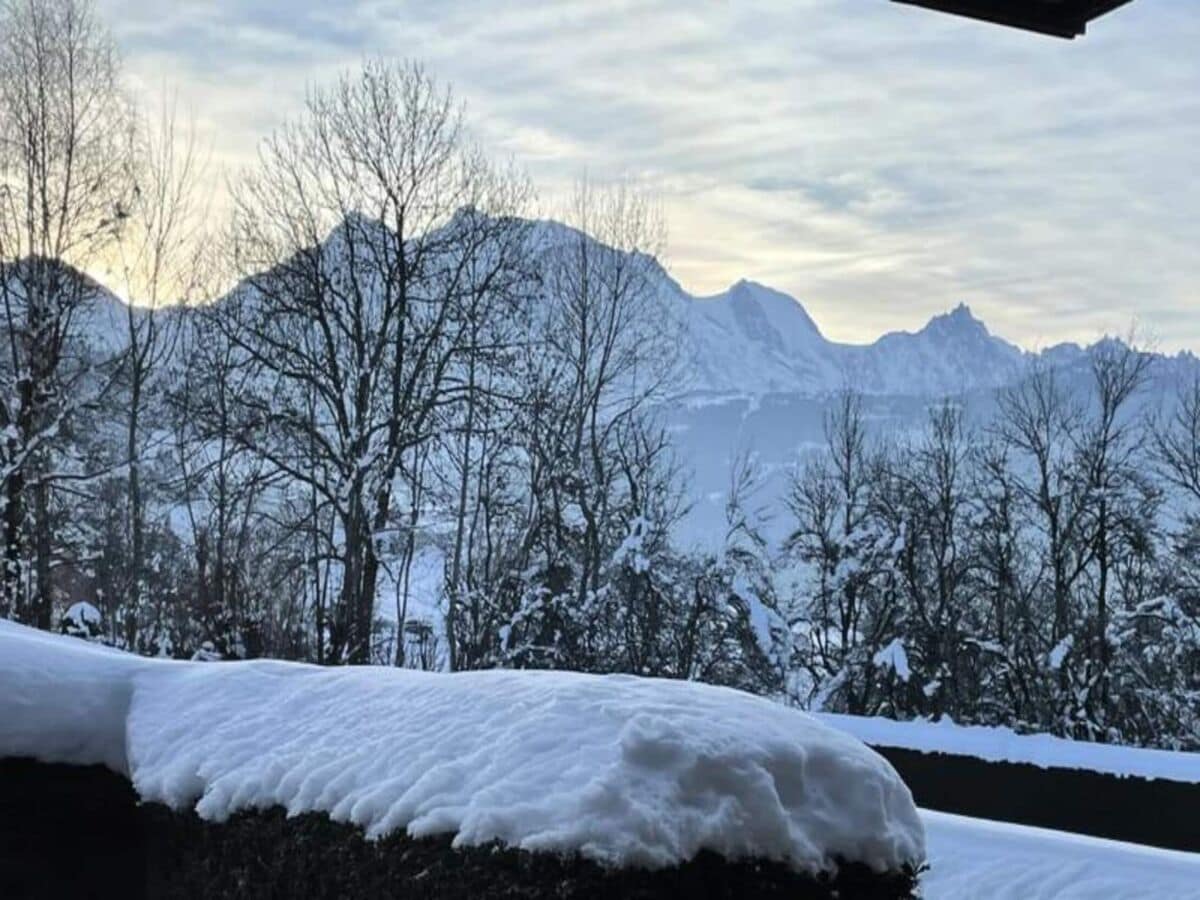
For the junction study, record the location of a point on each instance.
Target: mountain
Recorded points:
(754, 374)
(99, 319)
(754, 340)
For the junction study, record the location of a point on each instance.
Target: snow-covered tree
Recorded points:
(364, 239)
(65, 187)
(845, 606)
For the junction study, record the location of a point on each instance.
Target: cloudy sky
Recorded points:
(879, 162)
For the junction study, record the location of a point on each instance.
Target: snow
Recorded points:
(83, 614)
(998, 861)
(426, 586)
(997, 744)
(894, 657)
(761, 617)
(63, 700)
(626, 770)
(1060, 651)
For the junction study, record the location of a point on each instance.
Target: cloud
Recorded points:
(880, 162)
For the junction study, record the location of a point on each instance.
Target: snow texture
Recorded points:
(974, 858)
(628, 771)
(996, 744)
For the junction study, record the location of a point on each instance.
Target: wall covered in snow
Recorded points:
(623, 770)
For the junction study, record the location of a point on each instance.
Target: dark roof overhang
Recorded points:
(1062, 18)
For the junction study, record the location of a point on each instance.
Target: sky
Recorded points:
(879, 162)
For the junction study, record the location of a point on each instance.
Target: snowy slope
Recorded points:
(973, 859)
(996, 744)
(99, 319)
(952, 354)
(625, 770)
(752, 339)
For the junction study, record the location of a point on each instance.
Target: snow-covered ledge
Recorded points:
(998, 744)
(624, 771)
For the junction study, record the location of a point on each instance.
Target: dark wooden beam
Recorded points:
(1060, 18)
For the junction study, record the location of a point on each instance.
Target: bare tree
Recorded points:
(496, 323)
(848, 605)
(366, 229)
(1007, 582)
(64, 191)
(607, 357)
(159, 257)
(600, 360)
(1177, 442)
(1169, 679)
(236, 515)
(1041, 422)
(1109, 454)
(929, 486)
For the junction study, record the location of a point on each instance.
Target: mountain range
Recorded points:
(753, 341)
(755, 375)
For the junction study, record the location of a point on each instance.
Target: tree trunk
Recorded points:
(136, 525)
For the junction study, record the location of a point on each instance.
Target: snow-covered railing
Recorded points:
(994, 773)
(997, 744)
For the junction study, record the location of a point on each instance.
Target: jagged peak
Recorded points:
(959, 320)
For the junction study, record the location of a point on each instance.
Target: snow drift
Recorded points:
(626, 771)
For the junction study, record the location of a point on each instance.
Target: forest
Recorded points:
(376, 352)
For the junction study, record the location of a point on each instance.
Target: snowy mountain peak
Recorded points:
(958, 321)
(785, 312)
(753, 340)
(749, 289)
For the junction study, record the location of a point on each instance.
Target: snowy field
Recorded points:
(971, 859)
